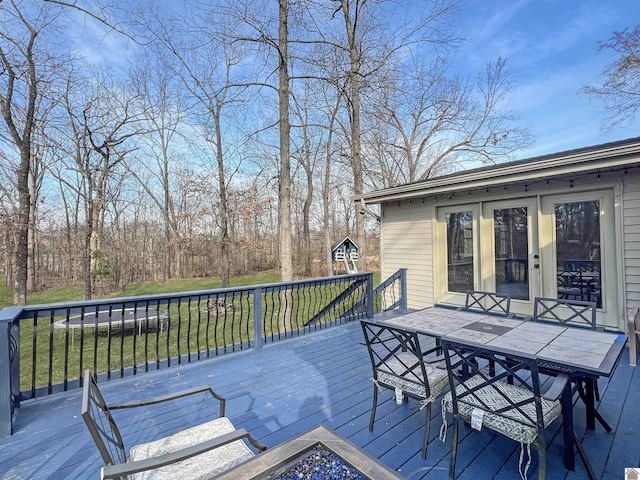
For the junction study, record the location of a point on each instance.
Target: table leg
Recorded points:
(567, 428)
(586, 390)
(589, 401)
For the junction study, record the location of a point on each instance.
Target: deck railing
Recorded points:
(392, 293)
(45, 348)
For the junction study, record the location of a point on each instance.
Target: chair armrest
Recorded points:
(125, 469)
(171, 396)
(556, 389)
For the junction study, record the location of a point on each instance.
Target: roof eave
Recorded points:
(606, 156)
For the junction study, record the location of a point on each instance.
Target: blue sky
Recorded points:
(551, 48)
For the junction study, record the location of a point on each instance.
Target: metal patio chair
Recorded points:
(578, 313)
(574, 314)
(487, 302)
(517, 410)
(399, 364)
(202, 451)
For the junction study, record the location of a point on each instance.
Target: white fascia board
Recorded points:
(516, 172)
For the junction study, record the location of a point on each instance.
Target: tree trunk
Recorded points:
(356, 158)
(284, 191)
(224, 208)
(22, 235)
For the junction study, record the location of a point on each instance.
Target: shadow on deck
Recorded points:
(288, 387)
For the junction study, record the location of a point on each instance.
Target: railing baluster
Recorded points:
(34, 358)
(235, 319)
(199, 318)
(189, 330)
(51, 347)
(146, 336)
(66, 349)
(122, 343)
(135, 336)
(168, 335)
(109, 335)
(95, 339)
(80, 363)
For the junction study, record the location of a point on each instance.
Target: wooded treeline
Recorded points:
(185, 142)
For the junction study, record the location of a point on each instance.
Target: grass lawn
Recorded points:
(71, 293)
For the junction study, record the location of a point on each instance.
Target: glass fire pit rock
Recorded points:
(318, 454)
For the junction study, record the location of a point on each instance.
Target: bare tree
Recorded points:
(433, 121)
(371, 44)
(101, 126)
(164, 110)
(619, 88)
(27, 59)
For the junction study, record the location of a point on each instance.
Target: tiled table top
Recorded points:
(585, 350)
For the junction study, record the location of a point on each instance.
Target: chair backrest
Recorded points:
(564, 311)
(582, 266)
(101, 424)
(494, 393)
(395, 352)
(488, 302)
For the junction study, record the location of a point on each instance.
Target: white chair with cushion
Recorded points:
(202, 451)
(400, 364)
(634, 335)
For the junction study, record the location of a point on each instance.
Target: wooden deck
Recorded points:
(287, 388)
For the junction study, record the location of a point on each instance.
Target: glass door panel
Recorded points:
(459, 238)
(511, 252)
(578, 251)
(510, 260)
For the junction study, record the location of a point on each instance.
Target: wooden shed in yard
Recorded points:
(563, 225)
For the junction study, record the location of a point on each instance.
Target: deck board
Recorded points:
(291, 386)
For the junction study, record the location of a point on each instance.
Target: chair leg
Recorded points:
(373, 408)
(427, 427)
(542, 457)
(454, 448)
(583, 456)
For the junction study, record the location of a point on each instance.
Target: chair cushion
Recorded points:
(508, 423)
(205, 465)
(390, 374)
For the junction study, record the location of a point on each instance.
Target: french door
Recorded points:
(509, 243)
(550, 246)
(578, 253)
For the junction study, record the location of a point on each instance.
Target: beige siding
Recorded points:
(407, 242)
(631, 237)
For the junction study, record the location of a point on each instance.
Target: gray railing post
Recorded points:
(370, 309)
(257, 317)
(7, 369)
(403, 288)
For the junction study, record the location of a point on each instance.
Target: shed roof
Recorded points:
(604, 157)
(341, 241)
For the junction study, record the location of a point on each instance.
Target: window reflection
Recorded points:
(578, 251)
(512, 252)
(460, 251)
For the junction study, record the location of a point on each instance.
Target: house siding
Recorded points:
(406, 236)
(631, 239)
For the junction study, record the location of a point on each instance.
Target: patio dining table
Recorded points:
(583, 352)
